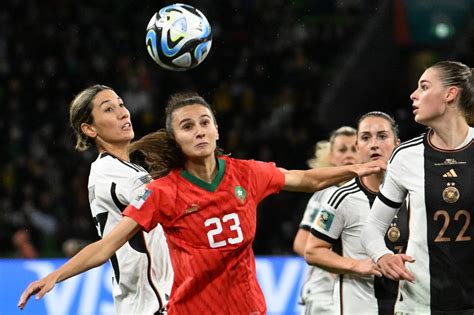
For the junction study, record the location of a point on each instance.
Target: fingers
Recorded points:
(393, 267)
(30, 290)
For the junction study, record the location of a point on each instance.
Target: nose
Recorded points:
(413, 95)
(123, 113)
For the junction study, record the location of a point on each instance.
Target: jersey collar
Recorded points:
(199, 182)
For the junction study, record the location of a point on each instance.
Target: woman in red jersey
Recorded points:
(206, 203)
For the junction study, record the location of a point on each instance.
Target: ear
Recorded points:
(89, 130)
(451, 94)
(217, 137)
(397, 142)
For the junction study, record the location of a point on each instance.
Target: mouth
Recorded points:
(201, 145)
(415, 110)
(127, 126)
(375, 156)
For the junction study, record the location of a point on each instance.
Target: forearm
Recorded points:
(299, 243)
(320, 178)
(328, 260)
(373, 231)
(91, 256)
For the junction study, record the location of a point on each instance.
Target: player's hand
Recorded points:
(40, 288)
(370, 167)
(393, 267)
(367, 267)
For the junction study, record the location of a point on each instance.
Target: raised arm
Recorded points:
(320, 178)
(91, 256)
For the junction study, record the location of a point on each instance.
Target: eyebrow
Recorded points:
(109, 100)
(188, 119)
(424, 81)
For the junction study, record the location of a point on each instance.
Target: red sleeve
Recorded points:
(143, 209)
(268, 178)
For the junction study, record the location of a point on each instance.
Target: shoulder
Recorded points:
(407, 148)
(108, 166)
(343, 193)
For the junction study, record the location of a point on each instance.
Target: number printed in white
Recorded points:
(234, 227)
(218, 230)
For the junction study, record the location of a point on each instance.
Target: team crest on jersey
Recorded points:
(138, 202)
(240, 193)
(325, 219)
(451, 193)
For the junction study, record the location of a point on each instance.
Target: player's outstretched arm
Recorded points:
(89, 257)
(317, 179)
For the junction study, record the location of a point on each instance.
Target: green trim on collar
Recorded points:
(199, 182)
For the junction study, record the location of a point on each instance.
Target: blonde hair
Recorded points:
(323, 148)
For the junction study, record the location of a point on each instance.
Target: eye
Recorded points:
(364, 138)
(108, 109)
(424, 87)
(343, 150)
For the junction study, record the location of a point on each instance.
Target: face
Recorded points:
(343, 150)
(375, 139)
(430, 98)
(111, 119)
(195, 131)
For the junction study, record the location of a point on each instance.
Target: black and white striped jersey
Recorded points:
(440, 187)
(318, 287)
(343, 216)
(143, 274)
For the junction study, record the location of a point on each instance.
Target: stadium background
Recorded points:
(281, 75)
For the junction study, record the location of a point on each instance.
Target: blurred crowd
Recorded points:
(263, 75)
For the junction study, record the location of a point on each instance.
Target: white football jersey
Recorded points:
(343, 216)
(440, 187)
(317, 292)
(143, 275)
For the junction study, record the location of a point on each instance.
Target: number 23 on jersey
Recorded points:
(219, 226)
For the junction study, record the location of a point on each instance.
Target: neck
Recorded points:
(205, 169)
(120, 151)
(373, 182)
(449, 133)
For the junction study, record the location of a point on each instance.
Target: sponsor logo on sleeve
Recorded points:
(324, 220)
(140, 200)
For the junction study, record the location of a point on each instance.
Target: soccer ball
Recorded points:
(178, 37)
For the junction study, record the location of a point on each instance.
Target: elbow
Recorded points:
(298, 249)
(310, 256)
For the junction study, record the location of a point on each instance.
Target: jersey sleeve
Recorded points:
(392, 193)
(143, 208)
(268, 179)
(132, 186)
(329, 223)
(385, 207)
(313, 207)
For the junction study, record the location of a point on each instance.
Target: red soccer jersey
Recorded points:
(210, 229)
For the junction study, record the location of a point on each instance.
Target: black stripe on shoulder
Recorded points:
(117, 202)
(323, 237)
(131, 165)
(388, 202)
(340, 191)
(411, 143)
(337, 200)
(305, 227)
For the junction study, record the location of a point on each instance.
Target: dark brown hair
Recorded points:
(160, 150)
(454, 73)
(387, 117)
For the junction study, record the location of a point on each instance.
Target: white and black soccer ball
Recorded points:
(178, 37)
